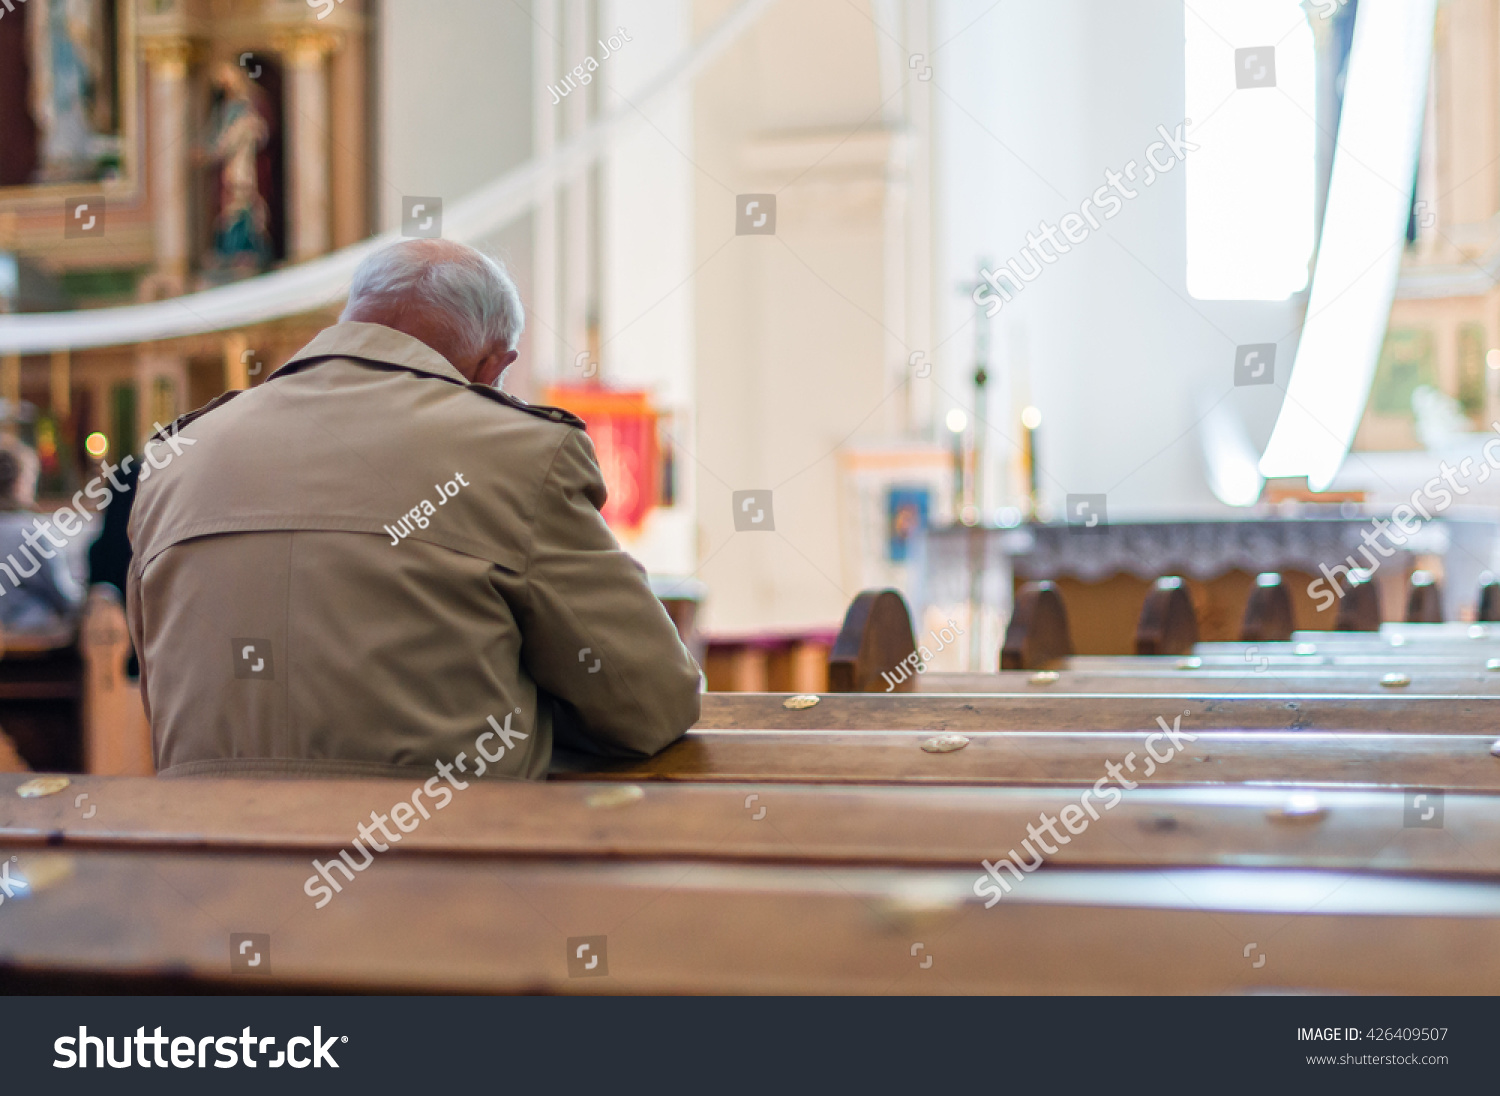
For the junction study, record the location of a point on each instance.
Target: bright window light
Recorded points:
(1251, 183)
(1364, 228)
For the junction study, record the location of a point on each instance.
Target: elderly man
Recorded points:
(376, 562)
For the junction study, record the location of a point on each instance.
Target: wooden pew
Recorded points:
(1359, 608)
(1488, 608)
(40, 697)
(1037, 636)
(874, 646)
(1190, 680)
(117, 738)
(1424, 599)
(1168, 625)
(1058, 757)
(696, 890)
(1268, 611)
(875, 639)
(925, 739)
(67, 699)
(934, 713)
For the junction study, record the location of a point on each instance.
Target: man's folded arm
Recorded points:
(593, 634)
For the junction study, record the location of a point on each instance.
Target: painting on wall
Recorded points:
(61, 97)
(1471, 379)
(1407, 362)
(907, 510)
(1407, 365)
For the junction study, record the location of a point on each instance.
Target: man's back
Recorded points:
(366, 565)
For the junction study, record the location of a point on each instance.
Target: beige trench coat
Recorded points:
(368, 565)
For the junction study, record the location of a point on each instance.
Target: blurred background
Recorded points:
(760, 247)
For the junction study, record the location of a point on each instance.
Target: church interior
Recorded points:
(1020, 409)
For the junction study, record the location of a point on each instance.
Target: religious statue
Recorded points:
(72, 92)
(237, 132)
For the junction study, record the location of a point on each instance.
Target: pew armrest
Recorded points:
(1038, 634)
(1168, 624)
(116, 735)
(876, 639)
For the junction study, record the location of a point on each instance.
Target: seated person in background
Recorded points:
(37, 592)
(377, 563)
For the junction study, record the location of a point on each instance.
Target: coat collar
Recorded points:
(374, 342)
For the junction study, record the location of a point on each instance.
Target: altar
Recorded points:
(970, 573)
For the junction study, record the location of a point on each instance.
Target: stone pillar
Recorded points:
(60, 383)
(351, 152)
(169, 156)
(10, 385)
(236, 360)
(543, 323)
(161, 387)
(577, 250)
(307, 147)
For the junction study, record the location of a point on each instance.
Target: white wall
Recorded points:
(454, 94)
(646, 252)
(1040, 100)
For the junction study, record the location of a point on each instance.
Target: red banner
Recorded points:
(622, 426)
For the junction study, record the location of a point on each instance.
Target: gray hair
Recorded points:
(463, 283)
(19, 468)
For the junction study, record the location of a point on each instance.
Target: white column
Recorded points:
(543, 321)
(577, 239)
(305, 53)
(171, 145)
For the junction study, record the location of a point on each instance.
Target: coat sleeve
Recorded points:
(593, 634)
(135, 625)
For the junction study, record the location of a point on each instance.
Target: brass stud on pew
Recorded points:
(800, 701)
(1305, 649)
(1301, 807)
(1395, 681)
(42, 785)
(1495, 749)
(945, 743)
(918, 907)
(620, 796)
(1193, 663)
(1493, 664)
(1045, 677)
(44, 871)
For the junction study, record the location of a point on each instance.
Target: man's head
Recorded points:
(18, 474)
(455, 299)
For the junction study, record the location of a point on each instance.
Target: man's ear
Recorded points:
(493, 365)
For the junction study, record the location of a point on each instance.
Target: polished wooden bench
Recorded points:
(1001, 740)
(1057, 756)
(748, 888)
(871, 646)
(1189, 680)
(1385, 713)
